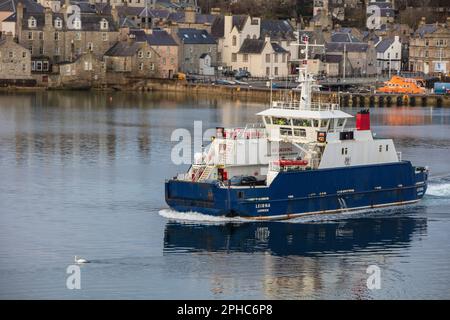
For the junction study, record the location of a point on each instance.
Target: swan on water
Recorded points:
(80, 260)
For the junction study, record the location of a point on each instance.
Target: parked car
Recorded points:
(241, 83)
(242, 74)
(228, 73)
(224, 82)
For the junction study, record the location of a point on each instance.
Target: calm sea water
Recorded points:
(83, 174)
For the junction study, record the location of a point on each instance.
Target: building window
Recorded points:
(152, 67)
(234, 57)
(141, 66)
(38, 65)
(164, 61)
(104, 36)
(41, 50)
(78, 36)
(267, 71)
(30, 47)
(268, 58)
(149, 54)
(90, 46)
(275, 56)
(140, 54)
(87, 65)
(32, 22)
(380, 148)
(57, 51)
(24, 67)
(77, 23)
(234, 44)
(33, 66)
(245, 57)
(276, 71)
(30, 35)
(58, 23)
(104, 24)
(24, 54)
(11, 54)
(56, 36)
(45, 66)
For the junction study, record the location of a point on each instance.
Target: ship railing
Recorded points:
(313, 106)
(248, 132)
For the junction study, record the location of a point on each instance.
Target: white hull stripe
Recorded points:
(298, 215)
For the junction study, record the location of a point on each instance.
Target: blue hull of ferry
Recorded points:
(294, 194)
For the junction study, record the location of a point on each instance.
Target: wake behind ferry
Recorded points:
(312, 163)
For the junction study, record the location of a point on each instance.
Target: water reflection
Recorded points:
(295, 239)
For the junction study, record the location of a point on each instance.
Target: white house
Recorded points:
(205, 67)
(389, 55)
(230, 32)
(262, 58)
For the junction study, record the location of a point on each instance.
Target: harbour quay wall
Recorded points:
(359, 100)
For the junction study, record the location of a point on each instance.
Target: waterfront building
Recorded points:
(194, 46)
(15, 60)
(132, 58)
(429, 48)
(262, 58)
(230, 33)
(389, 55)
(86, 70)
(359, 58)
(51, 38)
(165, 46)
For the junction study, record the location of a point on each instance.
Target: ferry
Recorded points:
(312, 163)
(403, 86)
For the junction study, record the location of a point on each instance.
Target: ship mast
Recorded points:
(306, 81)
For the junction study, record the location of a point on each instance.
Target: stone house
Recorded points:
(135, 58)
(87, 69)
(167, 48)
(57, 37)
(15, 60)
(429, 49)
(262, 58)
(193, 45)
(359, 58)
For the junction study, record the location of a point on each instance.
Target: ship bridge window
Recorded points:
(268, 120)
(316, 123)
(280, 121)
(340, 122)
(324, 123)
(300, 132)
(286, 131)
(301, 122)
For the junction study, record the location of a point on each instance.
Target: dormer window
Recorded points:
(77, 23)
(104, 24)
(32, 22)
(58, 23)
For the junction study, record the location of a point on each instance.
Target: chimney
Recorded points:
(19, 12)
(423, 21)
(228, 23)
(115, 14)
(48, 17)
(189, 15)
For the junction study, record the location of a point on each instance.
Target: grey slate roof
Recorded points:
(349, 47)
(30, 5)
(195, 36)
(278, 49)
(123, 49)
(252, 46)
(218, 25)
(426, 28)
(89, 22)
(384, 44)
(161, 38)
(344, 37)
(277, 29)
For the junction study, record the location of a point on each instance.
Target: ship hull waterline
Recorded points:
(304, 193)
